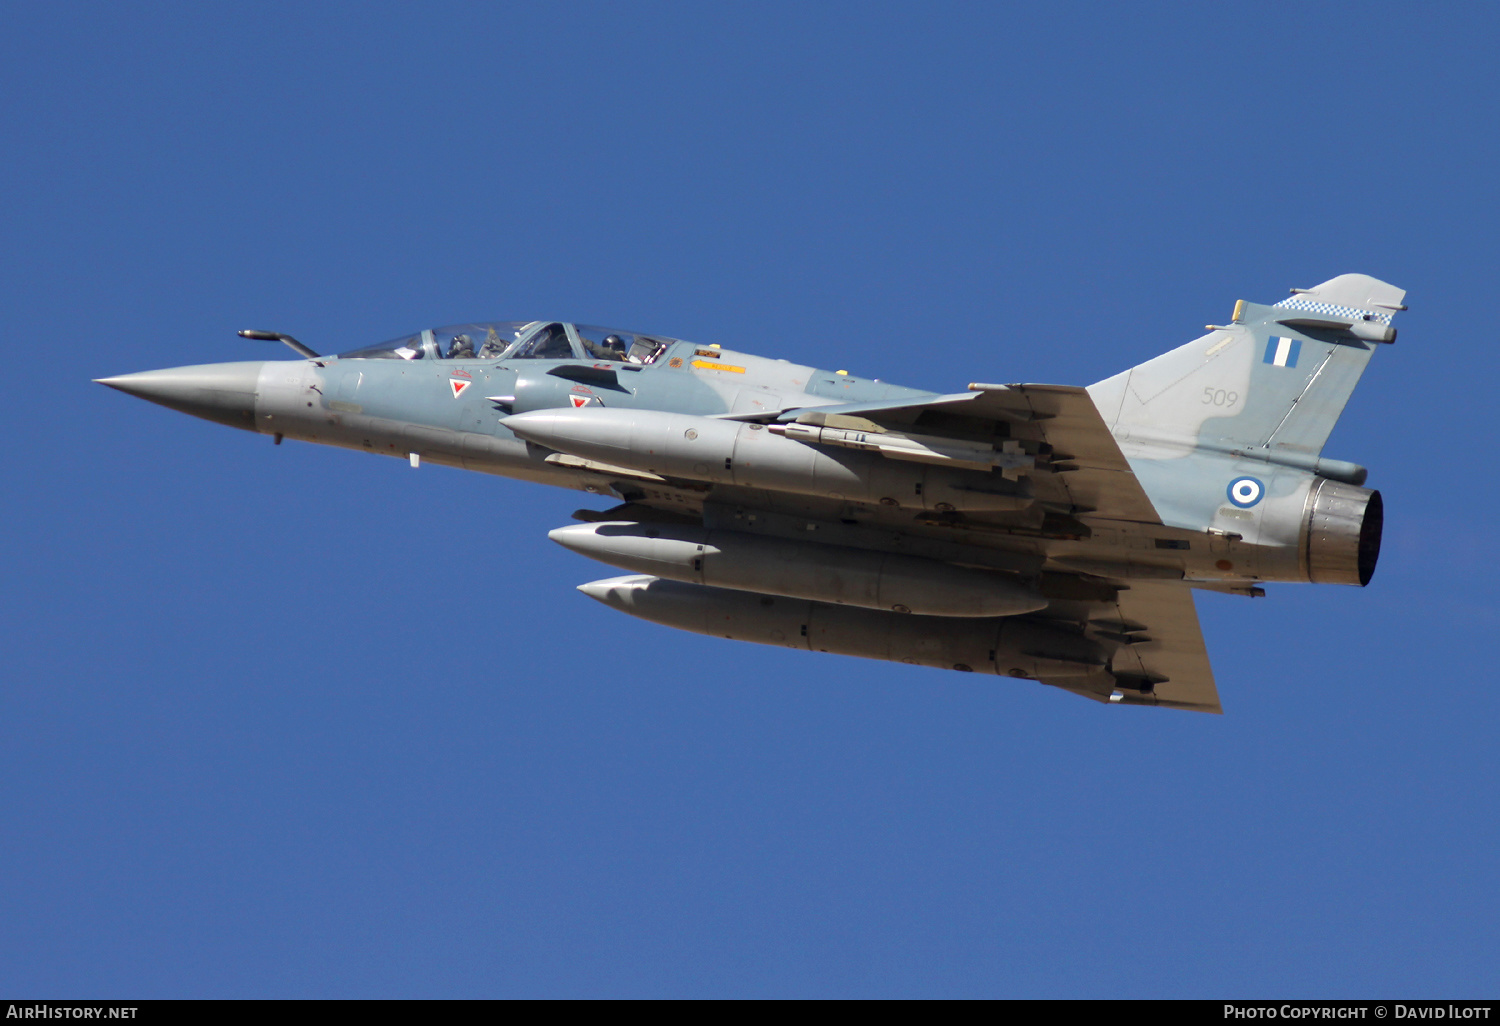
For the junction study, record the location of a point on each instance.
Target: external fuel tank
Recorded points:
(1009, 646)
(833, 574)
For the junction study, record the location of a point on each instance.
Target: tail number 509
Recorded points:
(1219, 397)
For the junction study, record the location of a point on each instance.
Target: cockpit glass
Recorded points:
(548, 343)
(517, 340)
(484, 340)
(622, 346)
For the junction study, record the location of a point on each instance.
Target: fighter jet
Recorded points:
(1051, 533)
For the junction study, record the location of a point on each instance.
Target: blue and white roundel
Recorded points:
(1245, 492)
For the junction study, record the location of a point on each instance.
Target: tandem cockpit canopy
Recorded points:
(519, 340)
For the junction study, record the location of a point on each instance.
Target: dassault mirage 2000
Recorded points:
(1046, 532)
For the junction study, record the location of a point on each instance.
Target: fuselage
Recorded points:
(452, 412)
(437, 397)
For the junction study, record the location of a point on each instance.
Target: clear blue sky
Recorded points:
(293, 722)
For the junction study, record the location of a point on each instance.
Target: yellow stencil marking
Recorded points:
(706, 365)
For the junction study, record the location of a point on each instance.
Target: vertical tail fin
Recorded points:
(1271, 383)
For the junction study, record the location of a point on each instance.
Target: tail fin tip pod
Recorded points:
(1272, 382)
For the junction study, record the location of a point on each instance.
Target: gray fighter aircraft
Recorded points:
(1045, 532)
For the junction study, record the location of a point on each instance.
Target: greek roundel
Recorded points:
(1245, 492)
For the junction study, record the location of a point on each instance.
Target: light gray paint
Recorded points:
(1056, 532)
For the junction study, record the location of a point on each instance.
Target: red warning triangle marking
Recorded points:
(459, 386)
(578, 401)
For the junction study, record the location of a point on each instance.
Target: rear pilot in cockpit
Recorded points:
(611, 348)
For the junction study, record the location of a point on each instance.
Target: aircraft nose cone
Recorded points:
(221, 392)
